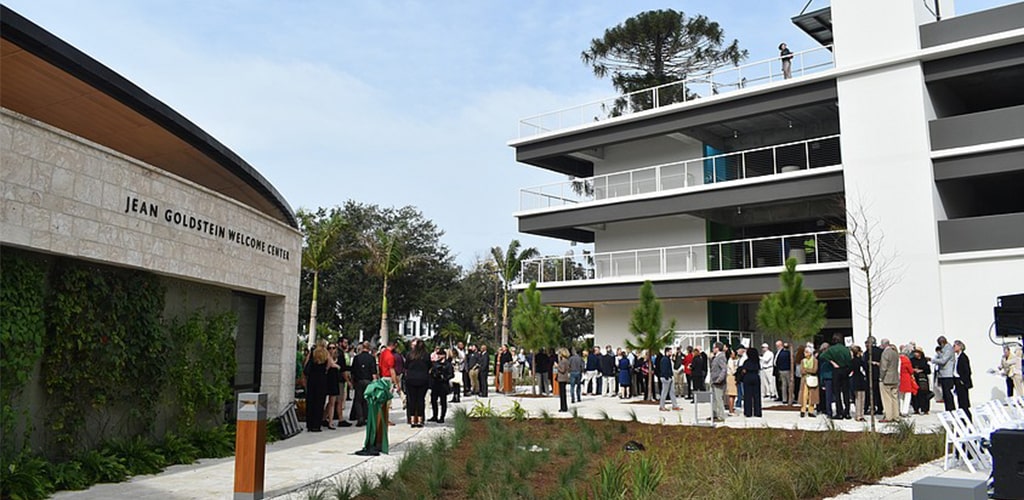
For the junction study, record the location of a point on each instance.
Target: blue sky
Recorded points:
(387, 102)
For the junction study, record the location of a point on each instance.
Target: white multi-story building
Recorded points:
(915, 124)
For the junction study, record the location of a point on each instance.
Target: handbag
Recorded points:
(812, 380)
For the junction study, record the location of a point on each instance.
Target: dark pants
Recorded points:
(947, 393)
(830, 396)
(544, 379)
(466, 384)
(1009, 387)
(963, 397)
(698, 382)
(922, 401)
(315, 408)
(360, 410)
(841, 392)
(752, 395)
(562, 405)
(456, 392)
(574, 386)
(438, 394)
(483, 383)
(876, 395)
(416, 396)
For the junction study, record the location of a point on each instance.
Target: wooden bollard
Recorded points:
(250, 445)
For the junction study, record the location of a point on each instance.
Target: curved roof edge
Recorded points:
(45, 45)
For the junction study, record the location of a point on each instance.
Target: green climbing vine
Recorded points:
(22, 326)
(105, 349)
(202, 365)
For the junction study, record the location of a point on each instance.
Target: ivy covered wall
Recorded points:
(93, 353)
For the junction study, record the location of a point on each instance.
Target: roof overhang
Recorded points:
(49, 80)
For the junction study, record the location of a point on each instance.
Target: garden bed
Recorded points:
(578, 458)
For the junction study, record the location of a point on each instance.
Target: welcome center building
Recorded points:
(94, 168)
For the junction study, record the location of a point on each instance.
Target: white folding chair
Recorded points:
(985, 418)
(975, 440)
(1016, 405)
(959, 445)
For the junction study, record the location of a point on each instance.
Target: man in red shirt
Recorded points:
(387, 364)
(687, 361)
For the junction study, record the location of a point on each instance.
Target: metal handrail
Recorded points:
(716, 82)
(663, 177)
(733, 255)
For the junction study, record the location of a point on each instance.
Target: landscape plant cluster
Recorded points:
(512, 456)
(126, 391)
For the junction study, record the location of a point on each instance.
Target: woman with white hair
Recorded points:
(1010, 367)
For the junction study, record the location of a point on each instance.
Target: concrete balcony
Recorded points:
(690, 89)
(750, 166)
(822, 250)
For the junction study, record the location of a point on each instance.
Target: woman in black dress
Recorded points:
(315, 370)
(441, 374)
(417, 380)
(751, 385)
(333, 386)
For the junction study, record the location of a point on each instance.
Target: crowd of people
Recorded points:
(831, 379)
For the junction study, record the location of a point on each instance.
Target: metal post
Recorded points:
(743, 164)
(250, 445)
(807, 153)
(817, 252)
(775, 160)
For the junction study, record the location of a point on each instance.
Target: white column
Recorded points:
(884, 117)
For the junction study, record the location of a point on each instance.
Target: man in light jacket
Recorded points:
(767, 379)
(944, 364)
(889, 374)
(719, 372)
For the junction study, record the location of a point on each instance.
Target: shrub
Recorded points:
(480, 410)
(215, 442)
(137, 455)
(177, 450)
(25, 478)
(516, 412)
(69, 476)
(101, 466)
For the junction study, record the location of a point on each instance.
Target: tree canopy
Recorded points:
(657, 47)
(350, 297)
(793, 311)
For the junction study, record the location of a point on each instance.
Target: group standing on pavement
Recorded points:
(835, 380)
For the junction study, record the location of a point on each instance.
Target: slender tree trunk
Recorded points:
(384, 315)
(533, 373)
(504, 317)
(312, 312)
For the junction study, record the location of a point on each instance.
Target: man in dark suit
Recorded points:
(962, 383)
(484, 361)
(364, 371)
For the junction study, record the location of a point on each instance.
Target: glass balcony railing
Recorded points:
(695, 87)
(736, 255)
(752, 163)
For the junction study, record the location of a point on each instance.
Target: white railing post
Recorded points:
(817, 250)
(807, 153)
(720, 266)
(775, 160)
(751, 247)
(743, 164)
(657, 179)
(782, 249)
(632, 187)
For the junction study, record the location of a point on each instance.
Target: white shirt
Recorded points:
(767, 359)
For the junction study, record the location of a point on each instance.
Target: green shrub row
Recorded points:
(29, 477)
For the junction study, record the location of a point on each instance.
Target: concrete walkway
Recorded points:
(296, 463)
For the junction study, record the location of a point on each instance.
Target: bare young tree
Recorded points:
(875, 269)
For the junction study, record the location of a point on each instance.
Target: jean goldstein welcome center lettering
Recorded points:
(145, 208)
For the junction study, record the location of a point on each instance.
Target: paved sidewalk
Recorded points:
(294, 464)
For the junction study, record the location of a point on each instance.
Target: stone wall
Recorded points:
(68, 196)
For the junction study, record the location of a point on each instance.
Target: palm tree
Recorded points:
(646, 324)
(537, 325)
(509, 263)
(386, 258)
(318, 254)
(793, 312)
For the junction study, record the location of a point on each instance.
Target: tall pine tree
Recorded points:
(792, 312)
